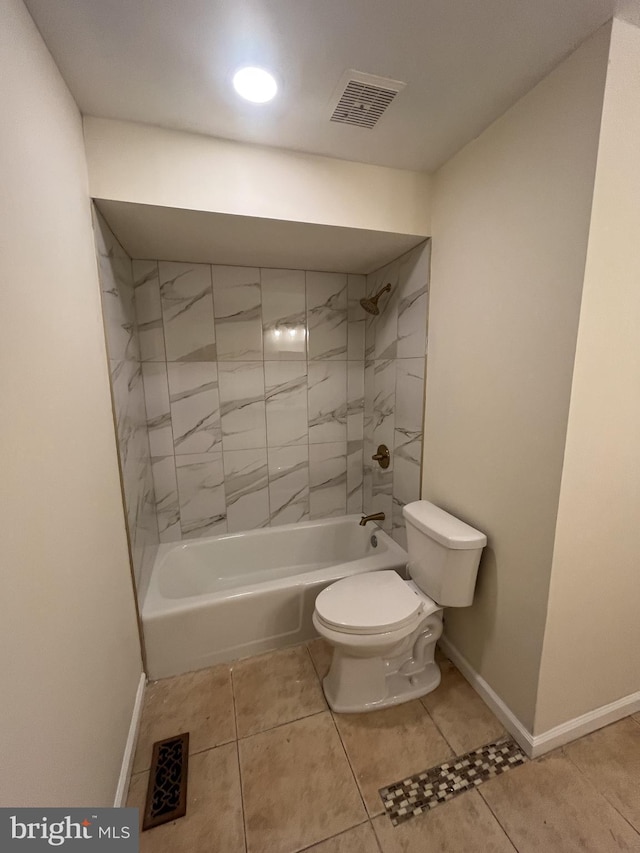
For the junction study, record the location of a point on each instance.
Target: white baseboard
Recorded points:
(502, 711)
(130, 746)
(536, 745)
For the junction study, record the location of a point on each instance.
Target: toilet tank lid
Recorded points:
(443, 527)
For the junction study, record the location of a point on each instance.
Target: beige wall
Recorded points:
(149, 165)
(591, 651)
(70, 661)
(510, 224)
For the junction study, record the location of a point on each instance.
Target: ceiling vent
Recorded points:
(361, 99)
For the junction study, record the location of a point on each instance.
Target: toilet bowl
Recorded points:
(384, 629)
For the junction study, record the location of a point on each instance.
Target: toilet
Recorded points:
(384, 629)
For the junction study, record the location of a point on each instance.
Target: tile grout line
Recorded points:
(237, 745)
(497, 820)
(331, 837)
(353, 773)
(600, 793)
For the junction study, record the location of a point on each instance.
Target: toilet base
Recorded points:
(355, 684)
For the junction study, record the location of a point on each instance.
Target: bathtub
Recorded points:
(226, 597)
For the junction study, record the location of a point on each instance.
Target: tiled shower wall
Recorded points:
(263, 406)
(116, 285)
(254, 382)
(395, 365)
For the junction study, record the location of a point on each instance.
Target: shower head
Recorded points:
(371, 305)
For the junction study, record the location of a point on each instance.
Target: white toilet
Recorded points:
(384, 629)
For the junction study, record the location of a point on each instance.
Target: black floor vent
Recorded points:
(167, 791)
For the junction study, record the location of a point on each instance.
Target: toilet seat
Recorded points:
(371, 603)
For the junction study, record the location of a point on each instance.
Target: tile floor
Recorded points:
(272, 770)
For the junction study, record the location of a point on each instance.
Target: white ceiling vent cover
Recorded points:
(361, 99)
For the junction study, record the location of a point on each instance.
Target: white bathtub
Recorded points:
(226, 597)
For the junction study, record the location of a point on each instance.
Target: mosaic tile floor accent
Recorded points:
(423, 791)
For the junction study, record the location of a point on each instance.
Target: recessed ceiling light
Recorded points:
(255, 84)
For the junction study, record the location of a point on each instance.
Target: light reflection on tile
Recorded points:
(284, 323)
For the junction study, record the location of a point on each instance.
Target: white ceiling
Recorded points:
(169, 62)
(172, 234)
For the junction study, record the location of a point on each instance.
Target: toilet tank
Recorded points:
(444, 553)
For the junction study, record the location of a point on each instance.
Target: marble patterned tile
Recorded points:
(382, 495)
(146, 284)
(460, 714)
(187, 310)
(284, 319)
(354, 476)
(288, 484)
(384, 403)
(275, 688)
(327, 315)
(156, 397)
(125, 381)
(398, 526)
(246, 483)
(214, 779)
(355, 400)
(286, 403)
(390, 744)
(237, 305)
(356, 317)
(463, 824)
(327, 401)
(413, 304)
(385, 325)
(548, 804)
(409, 406)
(200, 703)
(242, 405)
(165, 487)
(116, 288)
(195, 407)
(406, 479)
(327, 479)
(201, 495)
(297, 763)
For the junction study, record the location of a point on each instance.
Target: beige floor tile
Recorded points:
(610, 758)
(276, 688)
(441, 659)
(636, 717)
(213, 822)
(321, 653)
(200, 703)
(297, 786)
(460, 713)
(549, 805)
(386, 746)
(360, 839)
(463, 825)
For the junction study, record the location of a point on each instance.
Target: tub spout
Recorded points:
(377, 516)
